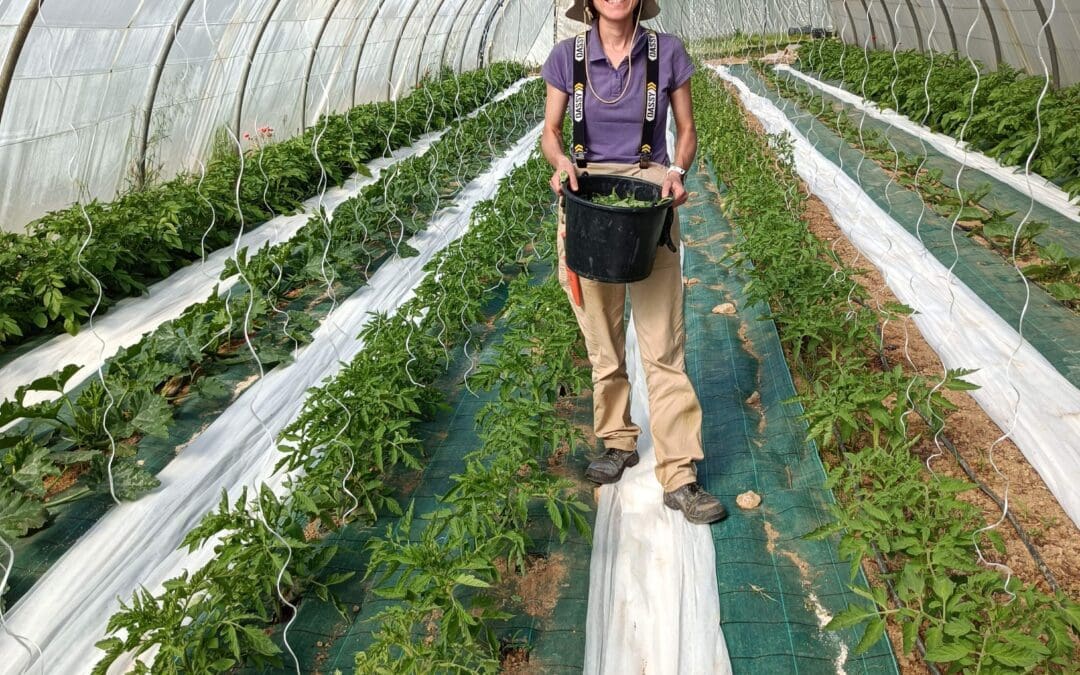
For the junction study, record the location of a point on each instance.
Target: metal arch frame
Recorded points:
(918, 28)
(143, 140)
(472, 24)
(993, 32)
(446, 43)
(238, 109)
(851, 20)
(305, 87)
(397, 46)
(363, 48)
(870, 20)
(1051, 46)
(427, 30)
(940, 4)
(889, 20)
(484, 36)
(7, 74)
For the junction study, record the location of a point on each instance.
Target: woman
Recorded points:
(613, 138)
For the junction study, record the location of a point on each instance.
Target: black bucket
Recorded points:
(613, 243)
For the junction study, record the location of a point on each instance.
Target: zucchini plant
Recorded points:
(989, 226)
(1004, 124)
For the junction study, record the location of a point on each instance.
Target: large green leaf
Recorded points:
(19, 514)
(150, 414)
(129, 480)
(26, 466)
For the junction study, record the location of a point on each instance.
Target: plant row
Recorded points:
(351, 434)
(190, 355)
(741, 44)
(442, 578)
(995, 111)
(51, 275)
(968, 616)
(1049, 265)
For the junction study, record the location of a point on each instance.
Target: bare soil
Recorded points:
(71, 474)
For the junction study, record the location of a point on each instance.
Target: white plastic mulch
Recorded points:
(126, 322)
(1042, 190)
(135, 543)
(654, 604)
(1020, 390)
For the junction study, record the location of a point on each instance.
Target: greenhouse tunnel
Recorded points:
(295, 376)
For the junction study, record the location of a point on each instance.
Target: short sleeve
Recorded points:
(682, 68)
(557, 68)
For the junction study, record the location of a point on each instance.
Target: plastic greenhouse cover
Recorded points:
(136, 543)
(200, 83)
(81, 76)
(1018, 388)
(1043, 190)
(525, 31)
(130, 319)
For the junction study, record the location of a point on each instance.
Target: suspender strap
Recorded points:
(652, 80)
(578, 111)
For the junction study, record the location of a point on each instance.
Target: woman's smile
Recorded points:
(615, 10)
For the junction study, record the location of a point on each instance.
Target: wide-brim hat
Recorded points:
(649, 9)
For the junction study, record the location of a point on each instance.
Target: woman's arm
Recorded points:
(551, 141)
(682, 106)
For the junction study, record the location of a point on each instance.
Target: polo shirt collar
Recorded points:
(596, 49)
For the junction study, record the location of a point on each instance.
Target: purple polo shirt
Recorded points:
(613, 132)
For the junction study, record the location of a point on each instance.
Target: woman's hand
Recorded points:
(673, 188)
(564, 167)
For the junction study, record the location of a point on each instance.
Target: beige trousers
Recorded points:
(657, 302)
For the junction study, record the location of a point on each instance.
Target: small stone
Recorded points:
(724, 308)
(690, 281)
(318, 643)
(754, 399)
(748, 500)
(355, 608)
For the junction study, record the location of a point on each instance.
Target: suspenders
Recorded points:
(578, 112)
(652, 79)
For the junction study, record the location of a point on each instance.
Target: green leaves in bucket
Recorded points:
(614, 199)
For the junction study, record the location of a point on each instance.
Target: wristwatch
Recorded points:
(677, 169)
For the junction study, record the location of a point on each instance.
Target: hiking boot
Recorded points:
(698, 506)
(608, 467)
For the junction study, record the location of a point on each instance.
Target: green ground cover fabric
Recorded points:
(325, 641)
(1002, 196)
(1049, 326)
(776, 589)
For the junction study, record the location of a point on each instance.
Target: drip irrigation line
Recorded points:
(883, 569)
(986, 489)
(920, 646)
